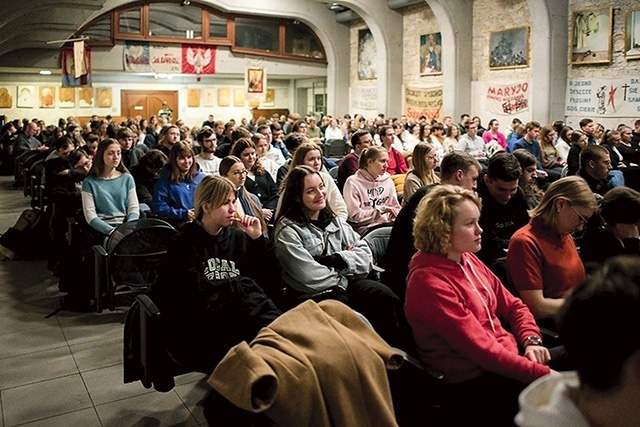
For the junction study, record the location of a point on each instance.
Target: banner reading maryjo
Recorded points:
(420, 101)
(603, 97)
(508, 99)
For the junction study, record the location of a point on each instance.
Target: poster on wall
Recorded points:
(603, 97)
(367, 54)
(239, 97)
(85, 96)
(208, 97)
(270, 98)
(509, 99)
(431, 54)
(26, 97)
(632, 35)
(224, 97)
(47, 96)
(422, 101)
(364, 98)
(193, 98)
(591, 32)
(66, 97)
(6, 100)
(509, 48)
(104, 97)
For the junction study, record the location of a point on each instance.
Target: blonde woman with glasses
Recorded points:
(542, 258)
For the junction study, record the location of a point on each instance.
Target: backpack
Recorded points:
(27, 238)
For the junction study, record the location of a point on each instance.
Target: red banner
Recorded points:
(198, 59)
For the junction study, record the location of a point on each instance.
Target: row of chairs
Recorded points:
(29, 175)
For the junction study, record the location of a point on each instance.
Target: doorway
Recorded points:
(147, 103)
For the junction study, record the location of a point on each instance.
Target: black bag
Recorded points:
(27, 238)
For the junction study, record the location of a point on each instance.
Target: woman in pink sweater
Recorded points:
(464, 322)
(370, 194)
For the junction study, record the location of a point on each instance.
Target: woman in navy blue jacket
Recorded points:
(173, 195)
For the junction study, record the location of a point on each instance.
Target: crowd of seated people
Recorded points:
(284, 216)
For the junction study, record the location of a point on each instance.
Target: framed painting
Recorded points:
(6, 100)
(67, 97)
(270, 98)
(367, 54)
(47, 96)
(104, 96)
(255, 80)
(430, 54)
(224, 97)
(85, 96)
(509, 48)
(26, 97)
(632, 35)
(193, 98)
(209, 97)
(239, 97)
(591, 36)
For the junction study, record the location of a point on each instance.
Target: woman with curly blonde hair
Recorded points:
(464, 322)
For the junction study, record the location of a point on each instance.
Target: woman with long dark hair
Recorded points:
(323, 258)
(173, 194)
(259, 182)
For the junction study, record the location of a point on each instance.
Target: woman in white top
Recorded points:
(453, 135)
(333, 131)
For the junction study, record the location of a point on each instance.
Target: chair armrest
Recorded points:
(433, 373)
(146, 304)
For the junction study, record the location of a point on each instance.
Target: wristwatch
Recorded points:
(532, 340)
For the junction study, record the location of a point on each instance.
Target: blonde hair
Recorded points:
(212, 191)
(572, 188)
(435, 215)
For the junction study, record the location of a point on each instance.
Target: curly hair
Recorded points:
(436, 213)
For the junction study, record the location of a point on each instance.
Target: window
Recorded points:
(129, 21)
(175, 20)
(300, 41)
(257, 34)
(217, 26)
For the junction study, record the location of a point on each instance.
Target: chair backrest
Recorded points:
(336, 148)
(334, 173)
(377, 239)
(136, 249)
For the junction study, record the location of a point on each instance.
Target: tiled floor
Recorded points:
(66, 370)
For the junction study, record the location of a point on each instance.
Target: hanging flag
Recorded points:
(198, 59)
(169, 59)
(80, 68)
(68, 67)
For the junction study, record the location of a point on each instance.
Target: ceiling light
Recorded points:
(45, 72)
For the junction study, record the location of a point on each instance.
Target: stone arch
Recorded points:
(549, 47)
(456, 25)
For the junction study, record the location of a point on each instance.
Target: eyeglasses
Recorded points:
(432, 157)
(583, 220)
(240, 173)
